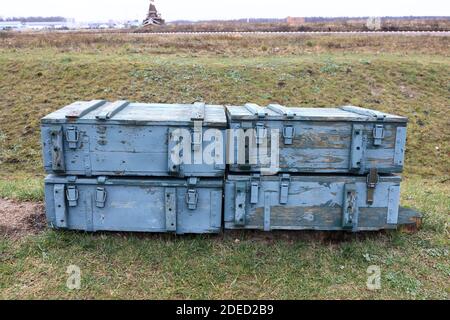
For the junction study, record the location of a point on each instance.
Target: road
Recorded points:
(402, 33)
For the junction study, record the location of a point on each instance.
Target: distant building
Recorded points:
(295, 21)
(69, 24)
(11, 25)
(49, 25)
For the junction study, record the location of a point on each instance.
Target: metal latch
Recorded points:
(285, 181)
(254, 188)
(72, 196)
(192, 199)
(72, 137)
(372, 180)
(260, 132)
(288, 134)
(100, 197)
(192, 194)
(197, 139)
(378, 134)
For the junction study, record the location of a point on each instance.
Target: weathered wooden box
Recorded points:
(133, 139)
(315, 140)
(137, 205)
(319, 202)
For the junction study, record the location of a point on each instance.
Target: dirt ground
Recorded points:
(19, 219)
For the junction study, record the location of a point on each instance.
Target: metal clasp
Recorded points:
(378, 134)
(72, 195)
(254, 188)
(372, 180)
(192, 199)
(260, 132)
(100, 197)
(285, 181)
(288, 134)
(192, 194)
(72, 137)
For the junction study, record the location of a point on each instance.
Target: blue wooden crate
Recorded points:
(131, 139)
(316, 140)
(308, 202)
(179, 206)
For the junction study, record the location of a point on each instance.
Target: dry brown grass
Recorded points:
(234, 45)
(339, 25)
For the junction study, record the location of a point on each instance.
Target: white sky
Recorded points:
(89, 10)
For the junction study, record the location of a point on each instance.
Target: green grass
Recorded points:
(404, 75)
(23, 189)
(240, 264)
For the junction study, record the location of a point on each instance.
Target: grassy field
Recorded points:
(409, 76)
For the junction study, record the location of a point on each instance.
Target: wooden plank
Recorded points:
(198, 112)
(282, 110)
(80, 110)
(112, 109)
(400, 146)
(393, 204)
(256, 110)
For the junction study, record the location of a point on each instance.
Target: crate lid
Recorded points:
(278, 112)
(123, 112)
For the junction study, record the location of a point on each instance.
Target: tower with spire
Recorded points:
(153, 16)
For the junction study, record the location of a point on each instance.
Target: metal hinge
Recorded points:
(350, 208)
(288, 134)
(101, 179)
(100, 197)
(378, 134)
(372, 180)
(57, 150)
(285, 181)
(357, 148)
(72, 137)
(72, 196)
(240, 201)
(192, 194)
(254, 188)
(260, 132)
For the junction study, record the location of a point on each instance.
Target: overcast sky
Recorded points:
(88, 10)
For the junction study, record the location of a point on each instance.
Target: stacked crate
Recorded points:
(334, 168)
(112, 168)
